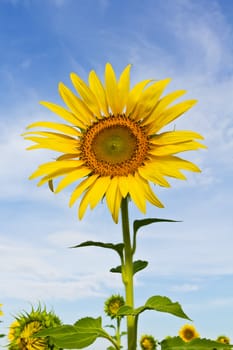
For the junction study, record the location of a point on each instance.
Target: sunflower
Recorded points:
(1, 312)
(113, 304)
(223, 339)
(25, 325)
(188, 332)
(110, 146)
(148, 342)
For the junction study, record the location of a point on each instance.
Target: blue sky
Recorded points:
(191, 262)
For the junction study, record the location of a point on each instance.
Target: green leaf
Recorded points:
(82, 334)
(157, 303)
(144, 222)
(116, 269)
(164, 304)
(117, 247)
(176, 343)
(138, 265)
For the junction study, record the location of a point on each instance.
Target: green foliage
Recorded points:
(176, 343)
(117, 247)
(144, 222)
(157, 303)
(82, 334)
(138, 265)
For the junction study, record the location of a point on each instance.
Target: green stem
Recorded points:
(127, 275)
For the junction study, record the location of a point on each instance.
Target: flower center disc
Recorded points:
(114, 146)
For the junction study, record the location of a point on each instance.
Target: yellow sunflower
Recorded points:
(188, 332)
(110, 143)
(27, 341)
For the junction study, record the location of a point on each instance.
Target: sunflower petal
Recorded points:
(111, 89)
(165, 150)
(62, 112)
(170, 114)
(113, 198)
(173, 137)
(123, 88)
(66, 129)
(73, 176)
(99, 92)
(148, 100)
(149, 172)
(86, 94)
(76, 105)
(82, 188)
(149, 194)
(134, 95)
(94, 194)
(137, 194)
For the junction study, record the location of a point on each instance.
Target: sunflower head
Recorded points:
(223, 339)
(25, 325)
(110, 141)
(1, 312)
(188, 332)
(148, 342)
(113, 304)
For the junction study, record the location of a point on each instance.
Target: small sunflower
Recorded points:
(1, 312)
(223, 339)
(148, 342)
(25, 325)
(113, 304)
(110, 145)
(188, 332)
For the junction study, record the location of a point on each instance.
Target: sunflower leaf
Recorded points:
(117, 247)
(138, 265)
(176, 343)
(82, 334)
(156, 303)
(144, 222)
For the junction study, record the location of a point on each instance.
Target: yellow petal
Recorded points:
(149, 194)
(123, 183)
(137, 193)
(134, 95)
(111, 89)
(62, 112)
(172, 137)
(149, 172)
(50, 167)
(170, 114)
(94, 194)
(176, 148)
(59, 145)
(82, 188)
(99, 92)
(148, 100)
(123, 88)
(86, 93)
(66, 129)
(76, 105)
(72, 177)
(166, 100)
(113, 198)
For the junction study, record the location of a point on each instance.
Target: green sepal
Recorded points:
(50, 184)
(138, 265)
(117, 247)
(82, 334)
(176, 343)
(157, 303)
